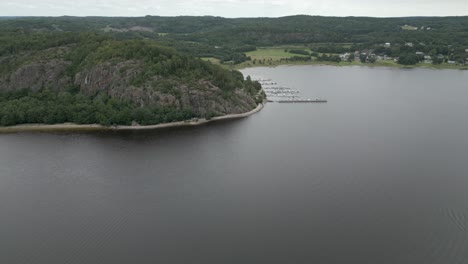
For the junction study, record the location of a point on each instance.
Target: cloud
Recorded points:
(234, 8)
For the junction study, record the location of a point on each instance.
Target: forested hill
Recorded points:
(56, 77)
(311, 28)
(228, 39)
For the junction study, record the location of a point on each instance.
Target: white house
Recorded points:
(344, 56)
(409, 44)
(419, 53)
(387, 45)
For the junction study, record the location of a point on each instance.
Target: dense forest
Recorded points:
(228, 39)
(49, 107)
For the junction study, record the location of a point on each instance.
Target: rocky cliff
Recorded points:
(140, 73)
(203, 97)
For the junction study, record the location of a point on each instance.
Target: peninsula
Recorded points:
(98, 80)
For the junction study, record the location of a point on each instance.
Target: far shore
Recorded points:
(244, 66)
(67, 127)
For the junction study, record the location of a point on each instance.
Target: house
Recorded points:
(451, 62)
(440, 56)
(427, 61)
(466, 50)
(409, 44)
(387, 45)
(427, 57)
(345, 56)
(419, 53)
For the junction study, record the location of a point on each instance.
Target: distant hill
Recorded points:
(227, 39)
(259, 31)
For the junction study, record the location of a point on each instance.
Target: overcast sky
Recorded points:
(234, 8)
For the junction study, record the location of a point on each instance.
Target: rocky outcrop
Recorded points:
(120, 81)
(36, 75)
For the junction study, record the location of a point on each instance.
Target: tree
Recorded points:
(408, 59)
(363, 58)
(437, 60)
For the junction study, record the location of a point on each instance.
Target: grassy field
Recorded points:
(407, 27)
(212, 60)
(271, 56)
(274, 53)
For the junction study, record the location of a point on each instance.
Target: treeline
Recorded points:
(297, 58)
(298, 51)
(49, 107)
(332, 58)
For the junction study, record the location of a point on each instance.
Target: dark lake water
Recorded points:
(379, 174)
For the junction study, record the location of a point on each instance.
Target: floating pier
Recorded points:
(282, 94)
(302, 101)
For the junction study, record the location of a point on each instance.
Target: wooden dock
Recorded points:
(283, 94)
(303, 101)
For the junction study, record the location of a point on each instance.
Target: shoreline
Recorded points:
(71, 127)
(346, 64)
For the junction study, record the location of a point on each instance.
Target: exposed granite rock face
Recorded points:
(37, 75)
(113, 79)
(117, 79)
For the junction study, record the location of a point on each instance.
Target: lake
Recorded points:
(379, 174)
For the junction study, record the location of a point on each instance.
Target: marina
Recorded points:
(282, 94)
